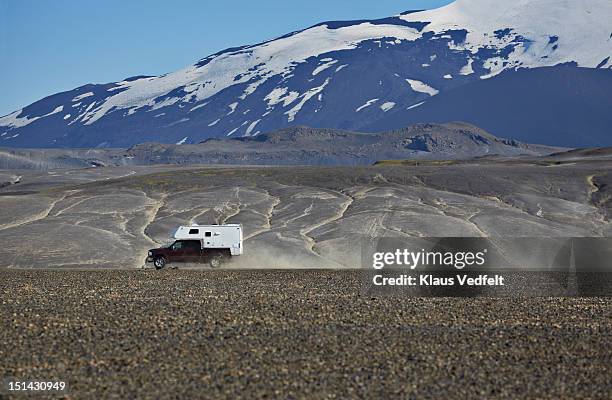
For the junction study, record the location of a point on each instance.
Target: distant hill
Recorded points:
(292, 146)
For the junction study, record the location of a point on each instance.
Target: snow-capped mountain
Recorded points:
(348, 75)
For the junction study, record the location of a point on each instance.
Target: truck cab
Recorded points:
(185, 251)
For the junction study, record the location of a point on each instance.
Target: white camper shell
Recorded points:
(226, 237)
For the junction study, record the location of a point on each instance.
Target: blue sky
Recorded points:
(52, 46)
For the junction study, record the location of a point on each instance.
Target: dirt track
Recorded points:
(302, 334)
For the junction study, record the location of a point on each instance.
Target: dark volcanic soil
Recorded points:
(293, 334)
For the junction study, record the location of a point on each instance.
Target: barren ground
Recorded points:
(293, 334)
(293, 217)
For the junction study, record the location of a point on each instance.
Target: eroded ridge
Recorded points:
(292, 217)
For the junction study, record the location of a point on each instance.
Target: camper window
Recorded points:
(194, 231)
(208, 234)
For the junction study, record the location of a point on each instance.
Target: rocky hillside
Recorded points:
(291, 146)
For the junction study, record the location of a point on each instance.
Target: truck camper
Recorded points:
(212, 244)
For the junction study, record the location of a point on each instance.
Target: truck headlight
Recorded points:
(150, 253)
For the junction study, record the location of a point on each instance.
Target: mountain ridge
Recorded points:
(342, 75)
(292, 146)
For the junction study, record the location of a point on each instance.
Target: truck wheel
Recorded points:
(159, 262)
(216, 261)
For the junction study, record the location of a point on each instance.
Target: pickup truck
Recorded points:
(187, 251)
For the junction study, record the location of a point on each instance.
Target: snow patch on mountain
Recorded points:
(323, 67)
(305, 97)
(251, 127)
(415, 105)
(468, 69)
(421, 87)
(154, 106)
(82, 96)
(232, 108)
(180, 121)
(227, 69)
(387, 106)
(366, 105)
(15, 120)
(281, 95)
(198, 107)
(494, 24)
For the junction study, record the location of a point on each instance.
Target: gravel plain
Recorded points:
(293, 334)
